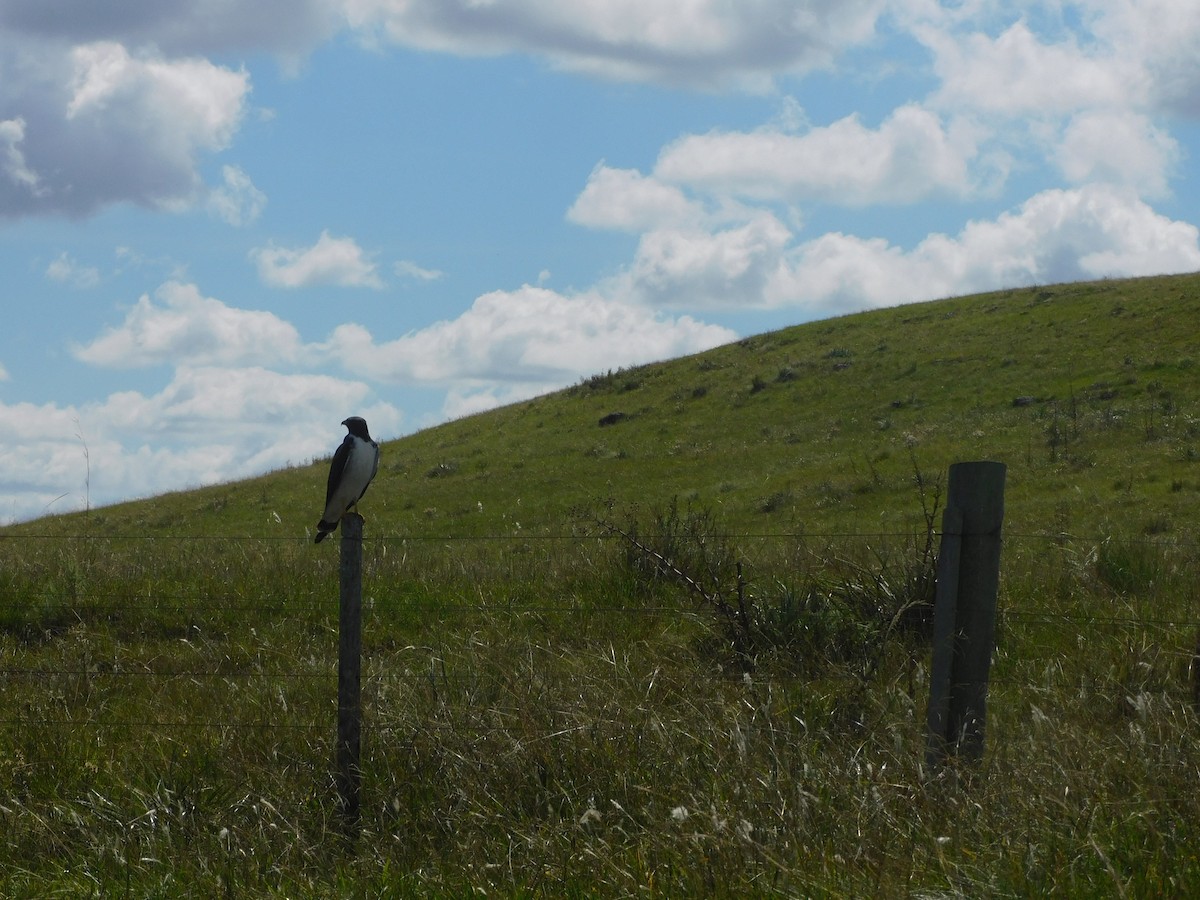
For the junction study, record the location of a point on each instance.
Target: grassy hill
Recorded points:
(551, 711)
(1087, 391)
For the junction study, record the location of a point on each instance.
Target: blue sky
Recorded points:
(225, 227)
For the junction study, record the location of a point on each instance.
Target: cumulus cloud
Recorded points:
(708, 236)
(534, 338)
(508, 345)
(104, 103)
(1093, 231)
(911, 155)
(94, 124)
(180, 326)
(239, 401)
(201, 101)
(1118, 148)
(1093, 99)
(703, 43)
(40, 457)
(231, 409)
(726, 268)
(1018, 73)
(249, 400)
(1088, 98)
(332, 260)
(1160, 38)
(627, 200)
(207, 425)
(719, 214)
(1055, 236)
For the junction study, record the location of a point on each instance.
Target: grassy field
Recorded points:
(552, 711)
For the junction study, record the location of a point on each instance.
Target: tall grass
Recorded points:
(548, 717)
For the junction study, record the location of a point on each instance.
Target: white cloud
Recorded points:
(201, 102)
(910, 156)
(226, 412)
(1017, 73)
(1117, 148)
(95, 124)
(184, 327)
(1094, 231)
(626, 200)
(336, 261)
(66, 270)
(514, 344)
(237, 201)
(207, 425)
(1093, 98)
(4, 376)
(1136, 55)
(407, 269)
(1058, 235)
(1160, 37)
(700, 43)
(40, 458)
(726, 268)
(1090, 87)
(237, 400)
(509, 345)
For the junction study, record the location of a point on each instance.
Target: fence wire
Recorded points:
(102, 606)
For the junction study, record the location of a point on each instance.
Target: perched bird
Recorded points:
(354, 465)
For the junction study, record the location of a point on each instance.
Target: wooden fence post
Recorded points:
(348, 774)
(964, 616)
(944, 607)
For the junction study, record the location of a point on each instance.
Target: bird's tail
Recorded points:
(324, 529)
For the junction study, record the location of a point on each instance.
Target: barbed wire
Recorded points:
(187, 675)
(188, 603)
(374, 606)
(522, 535)
(164, 725)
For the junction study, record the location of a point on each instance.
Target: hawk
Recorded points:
(354, 465)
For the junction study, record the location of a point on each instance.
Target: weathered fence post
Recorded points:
(964, 616)
(348, 774)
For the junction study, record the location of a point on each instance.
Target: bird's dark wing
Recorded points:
(337, 467)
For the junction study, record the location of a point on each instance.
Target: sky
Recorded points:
(225, 226)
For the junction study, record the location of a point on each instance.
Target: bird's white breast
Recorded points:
(360, 468)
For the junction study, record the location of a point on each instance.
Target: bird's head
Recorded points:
(357, 426)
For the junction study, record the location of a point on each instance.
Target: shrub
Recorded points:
(843, 618)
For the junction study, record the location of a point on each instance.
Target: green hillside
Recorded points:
(1088, 392)
(555, 700)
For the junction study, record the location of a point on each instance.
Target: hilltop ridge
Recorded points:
(1088, 391)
